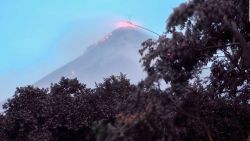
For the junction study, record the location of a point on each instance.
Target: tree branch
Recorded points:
(215, 47)
(232, 27)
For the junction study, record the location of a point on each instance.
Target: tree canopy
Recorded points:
(197, 88)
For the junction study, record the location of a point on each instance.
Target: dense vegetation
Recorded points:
(200, 35)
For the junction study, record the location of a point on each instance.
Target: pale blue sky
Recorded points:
(38, 36)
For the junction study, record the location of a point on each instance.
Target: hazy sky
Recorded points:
(38, 36)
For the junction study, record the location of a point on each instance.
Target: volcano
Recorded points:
(116, 53)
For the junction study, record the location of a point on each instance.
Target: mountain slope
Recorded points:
(117, 52)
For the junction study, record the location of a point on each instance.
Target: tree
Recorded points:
(210, 35)
(25, 113)
(203, 34)
(67, 111)
(200, 34)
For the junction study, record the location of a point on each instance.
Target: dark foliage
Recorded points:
(65, 112)
(201, 35)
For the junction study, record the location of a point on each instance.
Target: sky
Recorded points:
(37, 37)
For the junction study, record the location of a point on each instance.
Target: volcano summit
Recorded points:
(116, 53)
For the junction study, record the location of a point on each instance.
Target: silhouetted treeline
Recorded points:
(66, 111)
(197, 88)
(117, 110)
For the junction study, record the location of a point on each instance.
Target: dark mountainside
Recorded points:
(202, 34)
(116, 53)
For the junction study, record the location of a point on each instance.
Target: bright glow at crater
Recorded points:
(125, 24)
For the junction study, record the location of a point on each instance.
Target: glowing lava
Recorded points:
(125, 24)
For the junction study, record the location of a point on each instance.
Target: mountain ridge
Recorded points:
(116, 53)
